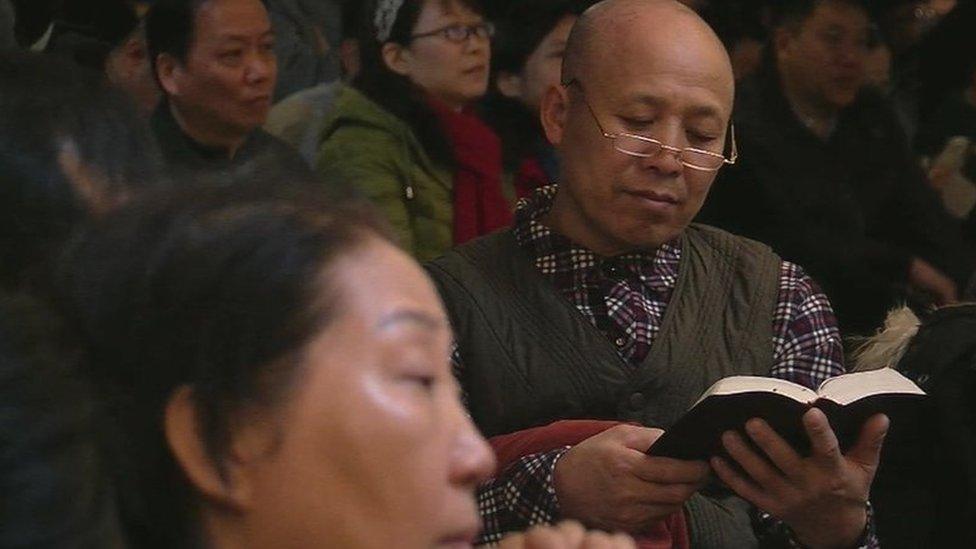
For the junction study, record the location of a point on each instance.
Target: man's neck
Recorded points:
(217, 139)
(817, 116)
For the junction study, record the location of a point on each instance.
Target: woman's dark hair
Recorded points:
(218, 289)
(520, 32)
(49, 106)
(396, 93)
(86, 31)
(55, 490)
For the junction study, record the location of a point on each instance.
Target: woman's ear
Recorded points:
(396, 58)
(509, 84)
(555, 103)
(226, 483)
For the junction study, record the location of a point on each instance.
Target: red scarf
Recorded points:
(479, 205)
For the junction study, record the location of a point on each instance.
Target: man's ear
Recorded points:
(225, 484)
(168, 71)
(555, 103)
(509, 84)
(396, 58)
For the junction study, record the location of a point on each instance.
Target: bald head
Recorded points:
(617, 32)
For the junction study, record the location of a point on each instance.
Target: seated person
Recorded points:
(54, 489)
(107, 36)
(215, 63)
(7, 38)
(278, 375)
(306, 43)
(525, 63)
(603, 302)
(829, 180)
(70, 147)
(404, 135)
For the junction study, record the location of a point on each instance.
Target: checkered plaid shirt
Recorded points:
(625, 298)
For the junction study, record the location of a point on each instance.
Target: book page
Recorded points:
(848, 388)
(755, 384)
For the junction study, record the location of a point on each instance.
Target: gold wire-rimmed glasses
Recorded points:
(646, 147)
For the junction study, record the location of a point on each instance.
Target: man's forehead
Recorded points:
(232, 19)
(840, 13)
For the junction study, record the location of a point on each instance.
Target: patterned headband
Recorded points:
(386, 14)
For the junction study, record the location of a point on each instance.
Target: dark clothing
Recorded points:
(530, 357)
(853, 210)
(182, 154)
(956, 117)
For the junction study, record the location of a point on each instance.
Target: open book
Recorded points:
(847, 400)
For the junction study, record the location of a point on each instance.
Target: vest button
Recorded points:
(637, 401)
(620, 342)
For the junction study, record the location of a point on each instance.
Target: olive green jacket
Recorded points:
(375, 152)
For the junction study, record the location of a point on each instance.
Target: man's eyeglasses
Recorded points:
(459, 33)
(646, 147)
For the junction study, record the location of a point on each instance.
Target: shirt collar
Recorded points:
(554, 253)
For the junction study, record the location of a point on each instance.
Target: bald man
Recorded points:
(605, 301)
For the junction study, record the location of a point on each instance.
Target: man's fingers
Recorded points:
(670, 471)
(740, 484)
(635, 437)
(759, 469)
(867, 451)
(823, 441)
(776, 448)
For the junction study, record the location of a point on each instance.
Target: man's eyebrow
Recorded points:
(407, 316)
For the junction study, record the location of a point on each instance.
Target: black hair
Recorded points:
(55, 490)
(49, 105)
(88, 30)
(170, 29)
(520, 32)
(524, 26)
(396, 93)
(216, 288)
(793, 13)
(33, 17)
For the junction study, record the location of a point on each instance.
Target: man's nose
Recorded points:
(665, 160)
(260, 67)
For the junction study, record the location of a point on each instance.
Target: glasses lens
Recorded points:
(635, 146)
(486, 30)
(701, 160)
(456, 33)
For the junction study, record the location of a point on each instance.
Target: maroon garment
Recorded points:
(669, 533)
(479, 205)
(529, 177)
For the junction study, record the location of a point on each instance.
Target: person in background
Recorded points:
(215, 63)
(33, 22)
(278, 377)
(404, 134)
(300, 118)
(71, 147)
(107, 36)
(829, 181)
(8, 39)
(527, 56)
(54, 488)
(306, 43)
(604, 301)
